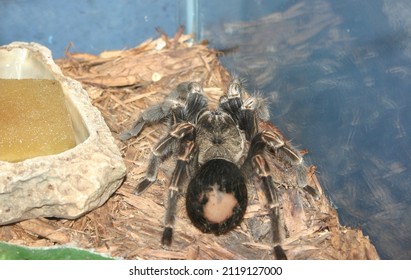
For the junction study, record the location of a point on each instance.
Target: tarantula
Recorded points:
(218, 153)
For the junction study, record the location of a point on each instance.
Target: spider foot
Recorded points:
(312, 191)
(133, 132)
(124, 136)
(279, 253)
(142, 186)
(167, 236)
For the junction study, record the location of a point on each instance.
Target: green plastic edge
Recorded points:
(18, 252)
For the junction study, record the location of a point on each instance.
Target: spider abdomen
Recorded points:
(217, 197)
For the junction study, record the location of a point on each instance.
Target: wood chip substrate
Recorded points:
(121, 84)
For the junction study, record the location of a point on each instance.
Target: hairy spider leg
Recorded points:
(248, 123)
(162, 151)
(236, 89)
(232, 107)
(194, 105)
(246, 115)
(180, 141)
(160, 112)
(272, 203)
(246, 119)
(232, 101)
(280, 148)
(178, 180)
(195, 102)
(257, 164)
(244, 112)
(154, 114)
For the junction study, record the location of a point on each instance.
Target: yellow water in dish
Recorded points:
(34, 120)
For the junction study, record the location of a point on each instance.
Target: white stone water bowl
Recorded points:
(68, 184)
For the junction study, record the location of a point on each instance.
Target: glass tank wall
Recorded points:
(337, 74)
